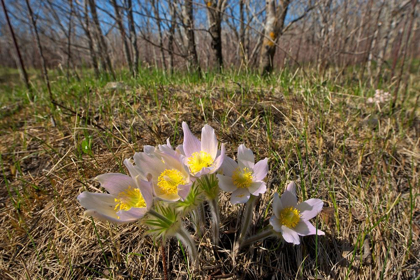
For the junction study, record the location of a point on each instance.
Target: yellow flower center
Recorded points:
(242, 178)
(128, 199)
(198, 161)
(289, 217)
(169, 180)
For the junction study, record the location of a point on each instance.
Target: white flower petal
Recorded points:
(288, 198)
(131, 215)
(149, 164)
(226, 183)
(257, 188)
(98, 203)
(290, 235)
(164, 196)
(245, 157)
(310, 208)
(146, 191)
(209, 141)
(277, 205)
(219, 160)
(115, 183)
(191, 143)
(304, 228)
(275, 223)
(261, 169)
(133, 170)
(240, 196)
(228, 166)
(184, 190)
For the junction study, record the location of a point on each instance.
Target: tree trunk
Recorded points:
(159, 24)
(273, 28)
(188, 20)
(133, 36)
(91, 43)
(215, 10)
(20, 64)
(41, 54)
(102, 44)
(242, 53)
(123, 37)
(171, 36)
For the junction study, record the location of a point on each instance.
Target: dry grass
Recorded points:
(362, 161)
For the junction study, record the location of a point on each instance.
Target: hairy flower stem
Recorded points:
(199, 218)
(159, 216)
(259, 236)
(215, 220)
(183, 235)
(246, 220)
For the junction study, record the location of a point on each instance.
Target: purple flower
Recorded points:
(202, 157)
(243, 178)
(163, 166)
(128, 200)
(292, 219)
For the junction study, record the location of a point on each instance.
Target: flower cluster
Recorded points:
(166, 184)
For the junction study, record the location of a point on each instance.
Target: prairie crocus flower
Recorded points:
(128, 200)
(243, 178)
(292, 219)
(202, 157)
(170, 178)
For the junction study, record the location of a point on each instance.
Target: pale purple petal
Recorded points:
(102, 217)
(291, 187)
(304, 228)
(225, 183)
(149, 164)
(261, 169)
(180, 150)
(209, 141)
(219, 160)
(245, 157)
(275, 223)
(240, 196)
(228, 166)
(98, 205)
(288, 198)
(167, 149)
(257, 188)
(184, 190)
(115, 183)
(146, 191)
(191, 143)
(277, 205)
(131, 215)
(203, 172)
(133, 170)
(150, 150)
(164, 196)
(310, 208)
(290, 235)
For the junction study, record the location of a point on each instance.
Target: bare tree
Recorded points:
(155, 5)
(103, 49)
(121, 28)
(171, 35)
(276, 14)
(41, 54)
(215, 12)
(133, 36)
(21, 65)
(188, 21)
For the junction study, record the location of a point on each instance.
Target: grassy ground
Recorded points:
(362, 160)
